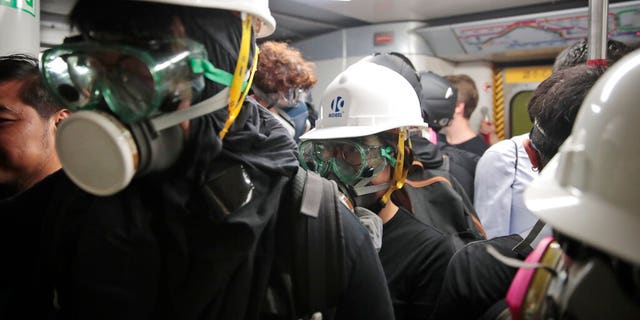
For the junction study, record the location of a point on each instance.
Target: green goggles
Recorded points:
(349, 160)
(135, 80)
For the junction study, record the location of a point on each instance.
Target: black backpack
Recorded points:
(443, 203)
(311, 244)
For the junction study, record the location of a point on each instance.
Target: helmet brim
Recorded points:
(583, 216)
(351, 131)
(268, 23)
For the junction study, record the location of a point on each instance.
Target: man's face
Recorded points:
(27, 151)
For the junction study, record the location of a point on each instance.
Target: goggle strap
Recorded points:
(209, 71)
(264, 97)
(516, 263)
(212, 104)
(387, 153)
(360, 191)
(362, 183)
(236, 96)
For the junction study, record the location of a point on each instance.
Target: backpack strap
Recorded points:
(446, 165)
(428, 182)
(526, 242)
(465, 202)
(537, 227)
(515, 171)
(499, 310)
(317, 244)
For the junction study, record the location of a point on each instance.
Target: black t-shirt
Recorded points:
(464, 158)
(475, 280)
(414, 257)
(462, 166)
(366, 296)
(476, 145)
(22, 285)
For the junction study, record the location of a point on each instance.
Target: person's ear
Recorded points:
(61, 115)
(257, 25)
(177, 28)
(533, 154)
(459, 108)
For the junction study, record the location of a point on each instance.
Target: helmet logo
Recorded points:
(337, 105)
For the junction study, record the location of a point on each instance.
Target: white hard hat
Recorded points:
(589, 190)
(365, 99)
(258, 8)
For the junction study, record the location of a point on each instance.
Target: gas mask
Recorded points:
(128, 101)
(299, 114)
(287, 99)
(289, 103)
(550, 285)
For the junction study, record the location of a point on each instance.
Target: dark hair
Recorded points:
(555, 105)
(281, 67)
(576, 54)
(467, 92)
(24, 68)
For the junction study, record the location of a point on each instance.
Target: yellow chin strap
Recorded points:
(399, 171)
(236, 94)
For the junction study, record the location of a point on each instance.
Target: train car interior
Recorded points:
(506, 46)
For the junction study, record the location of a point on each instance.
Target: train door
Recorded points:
(513, 87)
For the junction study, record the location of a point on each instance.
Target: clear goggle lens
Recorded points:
(348, 160)
(292, 96)
(287, 99)
(134, 81)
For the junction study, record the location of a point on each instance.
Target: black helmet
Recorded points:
(400, 64)
(437, 100)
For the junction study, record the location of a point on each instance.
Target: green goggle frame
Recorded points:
(349, 160)
(135, 80)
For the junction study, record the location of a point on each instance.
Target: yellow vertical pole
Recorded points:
(498, 102)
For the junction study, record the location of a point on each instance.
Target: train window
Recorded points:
(519, 117)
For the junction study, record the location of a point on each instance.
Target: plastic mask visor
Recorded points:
(286, 99)
(289, 98)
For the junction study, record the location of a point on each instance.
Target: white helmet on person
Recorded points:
(365, 99)
(588, 191)
(257, 8)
